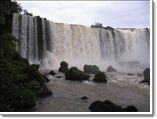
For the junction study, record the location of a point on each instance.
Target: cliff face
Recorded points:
(48, 43)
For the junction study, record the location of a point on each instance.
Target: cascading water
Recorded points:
(48, 43)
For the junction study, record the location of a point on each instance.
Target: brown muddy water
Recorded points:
(122, 89)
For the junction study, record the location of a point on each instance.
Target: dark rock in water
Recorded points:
(58, 76)
(130, 74)
(44, 91)
(108, 106)
(111, 69)
(131, 109)
(84, 98)
(75, 74)
(63, 67)
(35, 66)
(146, 74)
(100, 77)
(52, 73)
(91, 69)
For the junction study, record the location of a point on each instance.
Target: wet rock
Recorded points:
(58, 76)
(100, 77)
(52, 73)
(146, 74)
(75, 74)
(84, 98)
(108, 106)
(91, 69)
(111, 69)
(63, 67)
(130, 74)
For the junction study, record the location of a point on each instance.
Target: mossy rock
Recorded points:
(63, 67)
(91, 69)
(100, 77)
(75, 74)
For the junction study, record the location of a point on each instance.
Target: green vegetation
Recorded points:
(20, 83)
(76, 75)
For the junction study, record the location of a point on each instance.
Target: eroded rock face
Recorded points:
(75, 74)
(108, 106)
(111, 69)
(91, 69)
(63, 67)
(100, 77)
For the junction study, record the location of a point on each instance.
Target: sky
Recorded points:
(118, 14)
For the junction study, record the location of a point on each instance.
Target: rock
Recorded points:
(84, 98)
(52, 73)
(91, 69)
(63, 67)
(58, 76)
(44, 91)
(76, 75)
(146, 74)
(130, 74)
(35, 66)
(131, 109)
(111, 69)
(100, 77)
(108, 106)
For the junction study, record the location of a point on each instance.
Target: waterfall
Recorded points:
(48, 43)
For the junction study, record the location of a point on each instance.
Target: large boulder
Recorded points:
(108, 106)
(75, 74)
(63, 67)
(111, 69)
(146, 74)
(100, 77)
(91, 69)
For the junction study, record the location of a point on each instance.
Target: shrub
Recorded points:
(25, 99)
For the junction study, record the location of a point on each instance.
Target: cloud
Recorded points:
(113, 13)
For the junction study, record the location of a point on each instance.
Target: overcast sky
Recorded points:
(109, 13)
